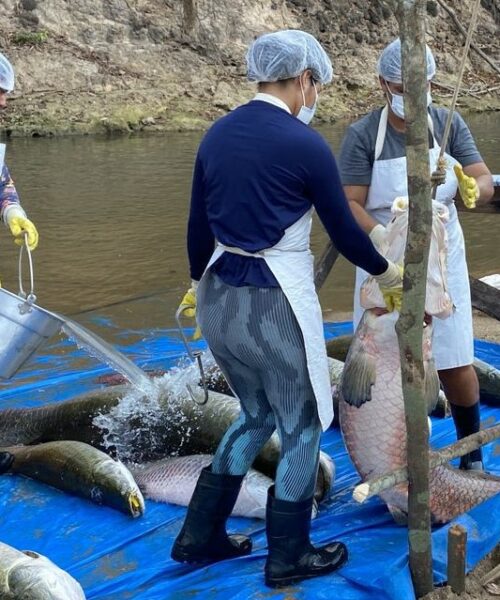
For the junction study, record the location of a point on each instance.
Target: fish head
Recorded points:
(437, 301)
(35, 577)
(118, 487)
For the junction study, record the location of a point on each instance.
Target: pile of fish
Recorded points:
(67, 444)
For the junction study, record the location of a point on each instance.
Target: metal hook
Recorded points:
(193, 355)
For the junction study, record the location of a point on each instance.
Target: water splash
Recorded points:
(100, 349)
(144, 425)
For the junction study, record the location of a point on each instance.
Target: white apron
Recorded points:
(453, 340)
(292, 264)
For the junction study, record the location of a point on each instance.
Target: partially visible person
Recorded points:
(259, 174)
(11, 211)
(373, 171)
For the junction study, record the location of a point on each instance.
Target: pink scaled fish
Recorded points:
(372, 416)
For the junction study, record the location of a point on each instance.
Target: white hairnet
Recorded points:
(285, 54)
(6, 74)
(389, 63)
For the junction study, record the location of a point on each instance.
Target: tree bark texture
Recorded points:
(411, 16)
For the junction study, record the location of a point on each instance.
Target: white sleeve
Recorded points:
(11, 211)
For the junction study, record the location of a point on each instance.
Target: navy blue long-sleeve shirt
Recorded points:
(258, 170)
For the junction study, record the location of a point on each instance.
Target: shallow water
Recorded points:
(112, 216)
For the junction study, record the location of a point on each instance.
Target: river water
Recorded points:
(112, 212)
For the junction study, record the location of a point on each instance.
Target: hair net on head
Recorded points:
(6, 74)
(389, 63)
(285, 54)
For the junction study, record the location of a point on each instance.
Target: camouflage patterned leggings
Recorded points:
(256, 341)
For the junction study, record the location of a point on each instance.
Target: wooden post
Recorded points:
(324, 264)
(457, 543)
(411, 16)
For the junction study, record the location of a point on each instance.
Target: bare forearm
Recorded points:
(365, 221)
(486, 190)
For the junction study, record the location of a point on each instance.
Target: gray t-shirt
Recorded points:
(358, 147)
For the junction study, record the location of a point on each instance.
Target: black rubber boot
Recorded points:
(6, 460)
(203, 537)
(292, 557)
(467, 421)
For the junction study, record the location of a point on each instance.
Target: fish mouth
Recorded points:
(136, 504)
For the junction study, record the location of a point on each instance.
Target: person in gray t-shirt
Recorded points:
(373, 171)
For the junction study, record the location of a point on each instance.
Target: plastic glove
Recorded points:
(377, 236)
(21, 225)
(467, 186)
(391, 286)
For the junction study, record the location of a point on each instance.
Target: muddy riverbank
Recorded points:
(141, 65)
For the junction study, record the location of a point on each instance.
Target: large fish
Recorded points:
(173, 480)
(136, 428)
(80, 469)
(372, 414)
(30, 576)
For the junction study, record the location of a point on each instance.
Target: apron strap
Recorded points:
(382, 129)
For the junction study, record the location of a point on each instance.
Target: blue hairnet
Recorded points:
(286, 54)
(6, 74)
(389, 63)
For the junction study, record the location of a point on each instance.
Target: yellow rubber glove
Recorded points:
(393, 298)
(391, 286)
(189, 301)
(467, 186)
(21, 225)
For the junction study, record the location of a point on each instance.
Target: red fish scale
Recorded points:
(375, 435)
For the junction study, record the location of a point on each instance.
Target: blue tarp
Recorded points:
(116, 558)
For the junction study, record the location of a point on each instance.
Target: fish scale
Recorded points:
(173, 480)
(375, 433)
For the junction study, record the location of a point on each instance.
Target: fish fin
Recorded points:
(359, 375)
(431, 386)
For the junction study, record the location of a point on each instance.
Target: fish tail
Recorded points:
(453, 491)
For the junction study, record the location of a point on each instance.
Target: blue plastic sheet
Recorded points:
(116, 558)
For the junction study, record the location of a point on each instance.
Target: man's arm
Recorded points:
(356, 195)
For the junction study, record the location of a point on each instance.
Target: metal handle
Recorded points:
(193, 355)
(31, 297)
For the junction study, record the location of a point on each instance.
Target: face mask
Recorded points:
(305, 113)
(397, 103)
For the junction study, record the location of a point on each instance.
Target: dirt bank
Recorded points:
(125, 65)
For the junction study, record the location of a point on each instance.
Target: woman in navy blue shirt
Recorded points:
(259, 174)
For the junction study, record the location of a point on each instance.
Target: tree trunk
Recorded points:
(411, 17)
(189, 15)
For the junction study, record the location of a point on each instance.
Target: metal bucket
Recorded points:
(24, 326)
